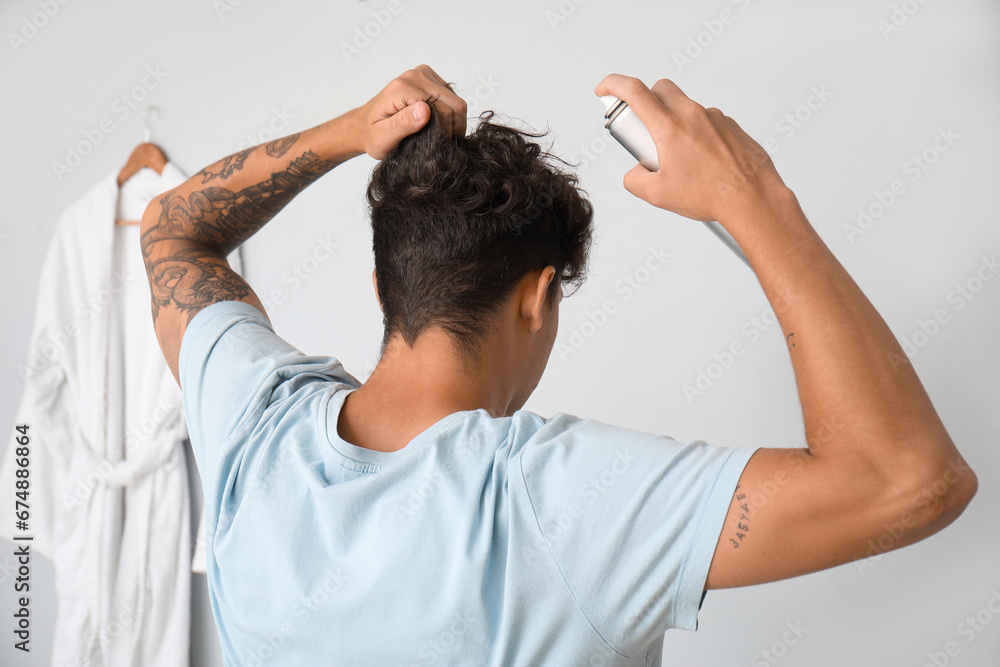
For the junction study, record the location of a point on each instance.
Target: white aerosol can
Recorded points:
(629, 131)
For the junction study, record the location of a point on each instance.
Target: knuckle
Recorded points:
(616, 80)
(692, 107)
(633, 85)
(664, 85)
(398, 86)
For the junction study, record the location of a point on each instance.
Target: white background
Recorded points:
(233, 69)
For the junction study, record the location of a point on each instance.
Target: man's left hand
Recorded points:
(401, 109)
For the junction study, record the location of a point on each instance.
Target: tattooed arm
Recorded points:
(187, 233)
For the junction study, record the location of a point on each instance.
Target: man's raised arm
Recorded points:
(880, 468)
(187, 233)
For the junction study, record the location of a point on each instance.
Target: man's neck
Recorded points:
(412, 388)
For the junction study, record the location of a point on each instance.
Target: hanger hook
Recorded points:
(145, 121)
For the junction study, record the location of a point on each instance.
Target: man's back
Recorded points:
(514, 540)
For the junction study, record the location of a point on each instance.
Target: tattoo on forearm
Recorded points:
(217, 220)
(788, 339)
(226, 166)
(279, 147)
(743, 525)
(191, 280)
(220, 218)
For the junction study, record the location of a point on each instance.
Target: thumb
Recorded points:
(421, 112)
(639, 181)
(408, 120)
(388, 132)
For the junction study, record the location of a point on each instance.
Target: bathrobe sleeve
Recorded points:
(59, 453)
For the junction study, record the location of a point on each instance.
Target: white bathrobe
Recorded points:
(109, 495)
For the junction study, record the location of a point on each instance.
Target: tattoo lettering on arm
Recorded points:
(208, 224)
(279, 147)
(226, 166)
(743, 525)
(788, 339)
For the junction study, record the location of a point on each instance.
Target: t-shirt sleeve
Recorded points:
(631, 520)
(232, 369)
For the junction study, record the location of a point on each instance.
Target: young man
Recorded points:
(423, 517)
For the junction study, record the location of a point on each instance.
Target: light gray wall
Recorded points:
(229, 74)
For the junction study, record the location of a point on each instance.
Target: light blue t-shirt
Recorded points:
(512, 541)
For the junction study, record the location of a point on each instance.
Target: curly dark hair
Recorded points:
(457, 222)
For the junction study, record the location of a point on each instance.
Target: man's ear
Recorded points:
(533, 297)
(375, 285)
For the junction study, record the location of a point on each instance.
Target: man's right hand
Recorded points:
(878, 455)
(710, 169)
